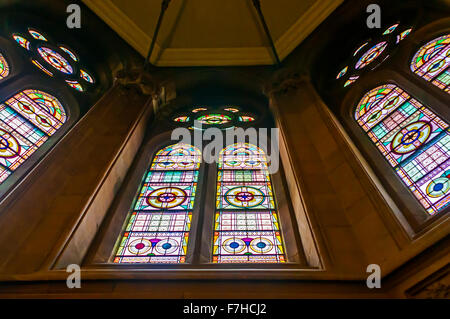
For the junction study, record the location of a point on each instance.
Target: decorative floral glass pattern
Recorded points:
(158, 227)
(413, 139)
(246, 228)
(26, 122)
(4, 67)
(432, 62)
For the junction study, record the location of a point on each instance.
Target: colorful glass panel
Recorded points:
(22, 41)
(4, 67)
(246, 118)
(351, 80)
(413, 139)
(432, 62)
(360, 48)
(199, 109)
(214, 119)
(40, 108)
(55, 59)
(21, 128)
(37, 35)
(75, 85)
(39, 66)
(158, 227)
(232, 109)
(86, 76)
(403, 35)
(70, 53)
(342, 73)
(371, 55)
(182, 119)
(391, 29)
(246, 228)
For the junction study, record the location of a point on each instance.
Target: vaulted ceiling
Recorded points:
(213, 32)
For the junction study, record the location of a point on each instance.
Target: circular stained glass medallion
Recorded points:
(56, 60)
(214, 119)
(371, 55)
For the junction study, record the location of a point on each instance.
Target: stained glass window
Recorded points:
(432, 62)
(59, 57)
(390, 29)
(342, 72)
(157, 230)
(246, 227)
(232, 109)
(4, 67)
(55, 59)
(85, 76)
(351, 80)
(371, 55)
(37, 35)
(22, 41)
(41, 67)
(75, 85)
(199, 109)
(403, 35)
(360, 48)
(27, 120)
(246, 118)
(214, 119)
(413, 139)
(70, 53)
(182, 119)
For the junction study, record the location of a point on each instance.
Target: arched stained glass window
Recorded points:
(413, 139)
(246, 227)
(432, 62)
(27, 120)
(157, 229)
(4, 67)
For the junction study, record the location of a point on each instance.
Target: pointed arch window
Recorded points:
(192, 213)
(27, 120)
(432, 62)
(157, 230)
(413, 139)
(246, 227)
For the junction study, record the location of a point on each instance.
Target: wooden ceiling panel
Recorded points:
(213, 32)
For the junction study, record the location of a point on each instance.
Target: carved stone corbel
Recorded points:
(283, 82)
(140, 80)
